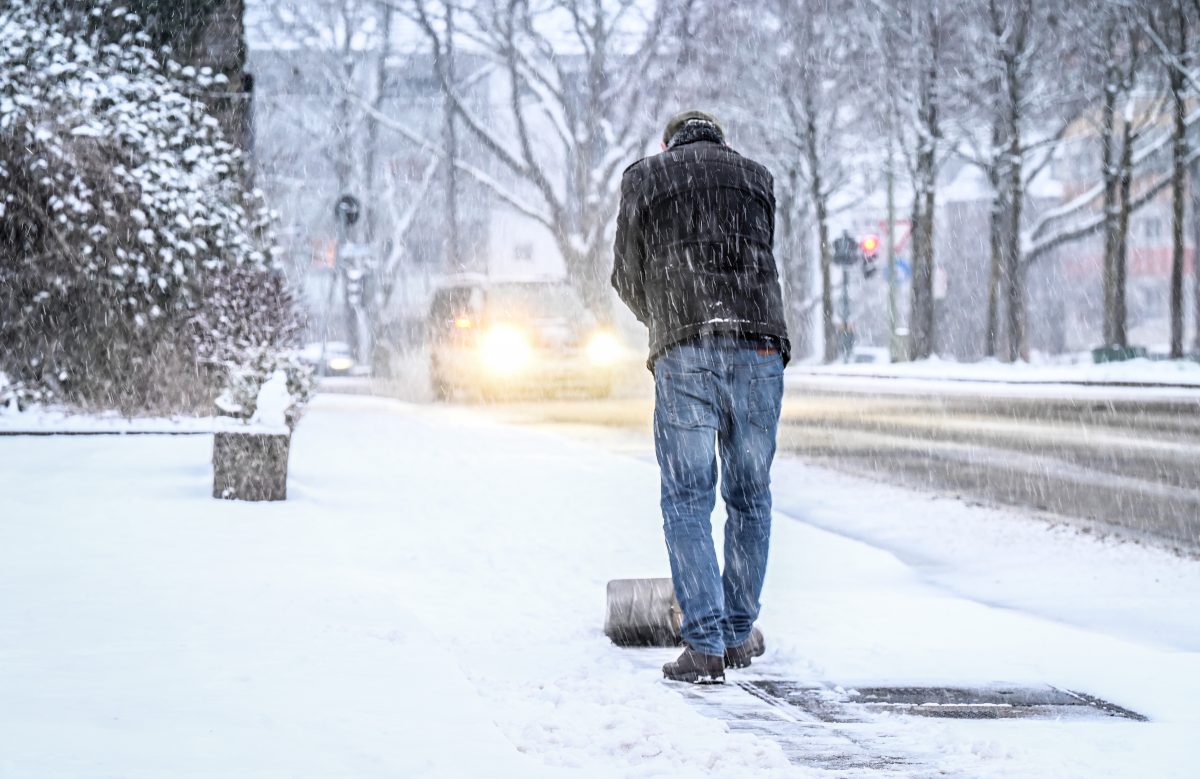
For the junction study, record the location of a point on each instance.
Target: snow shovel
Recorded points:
(642, 612)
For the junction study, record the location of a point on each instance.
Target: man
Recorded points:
(693, 261)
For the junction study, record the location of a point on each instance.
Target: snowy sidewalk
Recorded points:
(1129, 373)
(429, 603)
(1132, 380)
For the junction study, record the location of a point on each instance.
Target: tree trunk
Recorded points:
(1178, 179)
(1018, 336)
(994, 244)
(1121, 246)
(931, 302)
(1110, 176)
(1194, 193)
(923, 318)
(1007, 271)
(893, 347)
(792, 252)
(371, 166)
(827, 325)
(922, 283)
(1196, 288)
(1011, 40)
(821, 208)
(922, 315)
(454, 258)
(993, 309)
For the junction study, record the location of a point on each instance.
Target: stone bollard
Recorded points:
(250, 466)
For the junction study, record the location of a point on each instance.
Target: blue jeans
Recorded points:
(726, 391)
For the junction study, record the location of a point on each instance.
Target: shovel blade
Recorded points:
(642, 612)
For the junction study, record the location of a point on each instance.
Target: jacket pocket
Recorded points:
(766, 400)
(687, 399)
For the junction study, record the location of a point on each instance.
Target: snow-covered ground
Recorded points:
(1133, 380)
(428, 602)
(1139, 375)
(57, 421)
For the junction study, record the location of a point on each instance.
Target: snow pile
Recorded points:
(282, 380)
(136, 265)
(1134, 373)
(271, 405)
(40, 420)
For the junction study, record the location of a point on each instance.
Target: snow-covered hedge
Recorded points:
(137, 270)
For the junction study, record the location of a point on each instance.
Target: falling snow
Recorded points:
(969, 228)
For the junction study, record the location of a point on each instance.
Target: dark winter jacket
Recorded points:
(693, 250)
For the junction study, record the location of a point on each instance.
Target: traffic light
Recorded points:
(843, 250)
(870, 252)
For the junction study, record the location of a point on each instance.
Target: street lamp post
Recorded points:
(846, 254)
(345, 213)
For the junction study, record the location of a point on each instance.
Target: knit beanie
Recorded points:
(677, 122)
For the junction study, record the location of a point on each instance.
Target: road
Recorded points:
(1112, 462)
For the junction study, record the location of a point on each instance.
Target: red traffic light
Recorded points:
(869, 245)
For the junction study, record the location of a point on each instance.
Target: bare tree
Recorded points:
(585, 87)
(335, 36)
(1003, 82)
(1194, 191)
(755, 44)
(819, 57)
(793, 242)
(1134, 145)
(1078, 218)
(1117, 49)
(914, 38)
(1168, 25)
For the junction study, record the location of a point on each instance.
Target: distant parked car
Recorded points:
(517, 337)
(871, 354)
(338, 356)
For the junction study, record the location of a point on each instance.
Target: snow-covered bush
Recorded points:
(136, 269)
(8, 395)
(247, 333)
(240, 397)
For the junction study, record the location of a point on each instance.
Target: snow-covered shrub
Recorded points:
(244, 308)
(8, 395)
(136, 270)
(239, 399)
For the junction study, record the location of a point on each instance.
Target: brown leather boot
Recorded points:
(740, 656)
(696, 668)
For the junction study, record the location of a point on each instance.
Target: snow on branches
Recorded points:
(137, 269)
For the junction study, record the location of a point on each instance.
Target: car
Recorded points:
(871, 354)
(337, 355)
(502, 338)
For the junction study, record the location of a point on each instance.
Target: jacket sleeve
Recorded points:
(771, 213)
(628, 276)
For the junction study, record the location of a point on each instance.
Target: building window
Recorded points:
(523, 252)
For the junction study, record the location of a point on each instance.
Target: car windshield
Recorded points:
(535, 301)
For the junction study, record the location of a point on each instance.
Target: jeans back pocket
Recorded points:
(766, 400)
(687, 399)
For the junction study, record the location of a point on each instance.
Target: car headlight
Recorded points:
(505, 349)
(340, 363)
(604, 348)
